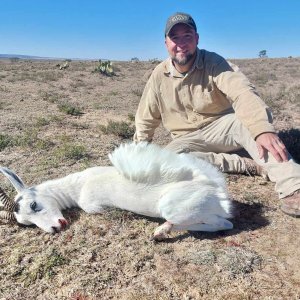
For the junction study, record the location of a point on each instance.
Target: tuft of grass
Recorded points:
(131, 117)
(75, 152)
(30, 139)
(5, 141)
(293, 94)
(44, 267)
(263, 77)
(70, 109)
(113, 93)
(47, 76)
(238, 261)
(137, 91)
(27, 139)
(55, 259)
(121, 129)
(70, 151)
(50, 97)
(41, 121)
(42, 144)
(203, 257)
(3, 88)
(57, 119)
(39, 76)
(273, 100)
(77, 84)
(79, 125)
(233, 260)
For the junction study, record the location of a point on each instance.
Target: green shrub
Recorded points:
(69, 109)
(41, 121)
(27, 139)
(44, 266)
(30, 139)
(105, 67)
(75, 152)
(121, 129)
(50, 97)
(68, 150)
(5, 141)
(131, 117)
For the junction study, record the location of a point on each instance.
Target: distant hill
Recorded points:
(20, 56)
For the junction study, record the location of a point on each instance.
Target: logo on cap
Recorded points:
(179, 18)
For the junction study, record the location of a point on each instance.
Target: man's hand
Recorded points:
(269, 141)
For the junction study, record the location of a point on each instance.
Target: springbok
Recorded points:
(189, 193)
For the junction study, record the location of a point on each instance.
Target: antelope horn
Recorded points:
(7, 202)
(7, 215)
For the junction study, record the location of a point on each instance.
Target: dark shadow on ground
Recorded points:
(291, 139)
(247, 217)
(72, 214)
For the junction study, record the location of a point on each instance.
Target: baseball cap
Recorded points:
(179, 18)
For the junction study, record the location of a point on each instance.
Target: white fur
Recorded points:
(189, 193)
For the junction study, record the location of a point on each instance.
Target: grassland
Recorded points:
(54, 122)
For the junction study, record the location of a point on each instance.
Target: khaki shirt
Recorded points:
(188, 102)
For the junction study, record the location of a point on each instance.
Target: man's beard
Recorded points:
(183, 61)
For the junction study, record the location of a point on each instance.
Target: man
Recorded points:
(212, 110)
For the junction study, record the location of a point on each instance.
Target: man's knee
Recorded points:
(178, 147)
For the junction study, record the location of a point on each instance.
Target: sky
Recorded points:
(122, 30)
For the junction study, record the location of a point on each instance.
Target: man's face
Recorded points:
(182, 43)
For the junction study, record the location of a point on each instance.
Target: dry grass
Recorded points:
(110, 256)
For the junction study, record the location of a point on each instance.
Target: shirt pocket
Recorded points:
(204, 100)
(210, 101)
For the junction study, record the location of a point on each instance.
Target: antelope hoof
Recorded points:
(161, 232)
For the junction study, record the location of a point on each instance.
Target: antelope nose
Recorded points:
(63, 223)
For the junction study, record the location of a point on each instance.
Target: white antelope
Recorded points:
(189, 193)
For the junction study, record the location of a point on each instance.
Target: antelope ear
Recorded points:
(13, 178)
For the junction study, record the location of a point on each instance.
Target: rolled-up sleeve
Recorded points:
(148, 116)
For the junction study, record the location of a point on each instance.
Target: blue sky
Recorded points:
(121, 30)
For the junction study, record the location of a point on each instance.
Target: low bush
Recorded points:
(105, 67)
(69, 109)
(121, 129)
(5, 141)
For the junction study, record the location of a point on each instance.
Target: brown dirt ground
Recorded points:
(110, 256)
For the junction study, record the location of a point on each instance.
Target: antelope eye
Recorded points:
(33, 206)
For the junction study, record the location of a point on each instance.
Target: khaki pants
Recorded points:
(217, 142)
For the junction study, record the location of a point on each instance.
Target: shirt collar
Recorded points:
(198, 63)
